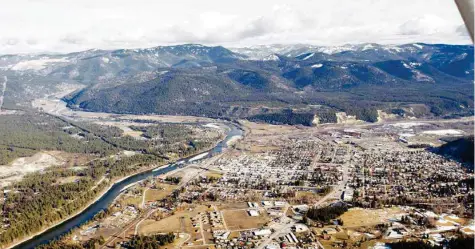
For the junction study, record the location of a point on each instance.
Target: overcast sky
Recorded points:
(73, 25)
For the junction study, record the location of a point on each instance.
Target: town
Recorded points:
(299, 187)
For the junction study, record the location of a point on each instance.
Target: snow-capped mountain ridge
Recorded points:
(159, 79)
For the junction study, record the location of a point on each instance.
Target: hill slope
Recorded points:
(461, 149)
(259, 82)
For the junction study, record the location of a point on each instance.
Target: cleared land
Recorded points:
(162, 191)
(357, 217)
(179, 221)
(232, 205)
(240, 220)
(24, 165)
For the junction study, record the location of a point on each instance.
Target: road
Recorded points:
(135, 223)
(150, 211)
(338, 190)
(278, 232)
(335, 193)
(143, 197)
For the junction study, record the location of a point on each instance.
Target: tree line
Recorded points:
(325, 214)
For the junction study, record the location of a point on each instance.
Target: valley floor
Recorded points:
(268, 189)
(258, 192)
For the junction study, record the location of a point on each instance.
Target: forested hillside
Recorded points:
(38, 199)
(412, 80)
(461, 149)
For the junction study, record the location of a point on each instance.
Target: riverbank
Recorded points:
(112, 183)
(101, 194)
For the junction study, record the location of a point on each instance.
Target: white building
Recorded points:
(262, 232)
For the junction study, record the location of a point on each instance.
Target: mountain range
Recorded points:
(293, 84)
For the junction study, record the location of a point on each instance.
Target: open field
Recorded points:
(214, 174)
(185, 174)
(259, 129)
(357, 217)
(173, 223)
(130, 200)
(261, 148)
(162, 191)
(125, 127)
(232, 205)
(240, 219)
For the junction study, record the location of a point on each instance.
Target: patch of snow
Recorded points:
(211, 125)
(198, 157)
(407, 125)
(317, 65)
(161, 167)
(418, 46)
(105, 59)
(336, 49)
(461, 57)
(271, 57)
(422, 77)
(392, 48)
(444, 132)
(35, 64)
(367, 47)
(308, 56)
(380, 245)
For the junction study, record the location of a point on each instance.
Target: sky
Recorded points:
(31, 26)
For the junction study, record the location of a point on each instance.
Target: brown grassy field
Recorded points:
(306, 197)
(213, 174)
(267, 129)
(231, 205)
(367, 217)
(129, 200)
(173, 223)
(240, 219)
(158, 194)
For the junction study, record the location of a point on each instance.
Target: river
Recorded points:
(115, 190)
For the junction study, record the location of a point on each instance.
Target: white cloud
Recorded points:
(427, 25)
(70, 25)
